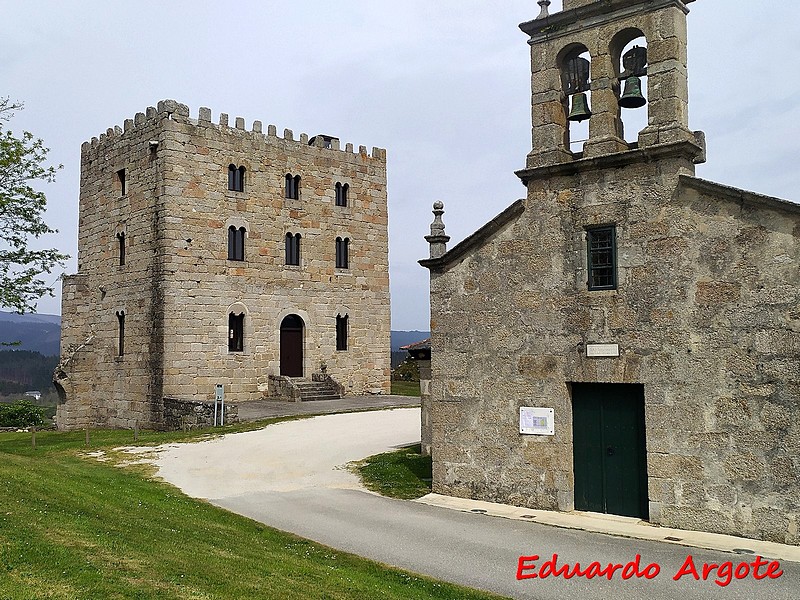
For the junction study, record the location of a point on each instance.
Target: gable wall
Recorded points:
(705, 316)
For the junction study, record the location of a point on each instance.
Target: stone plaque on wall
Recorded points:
(599, 350)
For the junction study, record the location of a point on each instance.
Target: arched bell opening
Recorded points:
(629, 53)
(574, 64)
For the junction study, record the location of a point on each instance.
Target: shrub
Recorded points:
(408, 370)
(22, 413)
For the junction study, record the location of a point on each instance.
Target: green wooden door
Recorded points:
(609, 452)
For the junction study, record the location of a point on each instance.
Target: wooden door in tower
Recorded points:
(292, 346)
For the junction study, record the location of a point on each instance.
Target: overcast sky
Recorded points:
(443, 85)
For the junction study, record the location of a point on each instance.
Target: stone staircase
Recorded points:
(316, 390)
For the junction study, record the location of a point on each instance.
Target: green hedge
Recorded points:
(22, 413)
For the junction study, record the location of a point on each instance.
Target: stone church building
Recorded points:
(212, 255)
(626, 339)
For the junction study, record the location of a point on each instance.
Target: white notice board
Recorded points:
(536, 421)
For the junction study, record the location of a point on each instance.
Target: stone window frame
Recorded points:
(342, 330)
(236, 242)
(236, 332)
(236, 177)
(121, 182)
(121, 249)
(120, 333)
(343, 252)
(292, 251)
(291, 186)
(601, 261)
(341, 194)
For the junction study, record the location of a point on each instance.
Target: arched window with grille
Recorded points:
(236, 243)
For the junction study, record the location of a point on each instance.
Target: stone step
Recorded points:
(316, 390)
(318, 398)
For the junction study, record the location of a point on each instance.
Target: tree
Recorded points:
(21, 209)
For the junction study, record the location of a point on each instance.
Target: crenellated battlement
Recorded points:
(175, 111)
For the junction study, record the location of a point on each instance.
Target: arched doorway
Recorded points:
(292, 346)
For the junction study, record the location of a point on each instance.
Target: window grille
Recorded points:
(602, 258)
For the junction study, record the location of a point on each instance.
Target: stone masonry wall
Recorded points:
(177, 287)
(101, 387)
(203, 286)
(706, 318)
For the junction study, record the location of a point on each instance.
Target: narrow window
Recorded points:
(121, 339)
(342, 258)
(235, 332)
(293, 249)
(341, 332)
(121, 243)
(341, 194)
(292, 184)
(236, 243)
(121, 179)
(236, 178)
(602, 253)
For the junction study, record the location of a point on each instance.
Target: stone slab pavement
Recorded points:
(292, 476)
(255, 410)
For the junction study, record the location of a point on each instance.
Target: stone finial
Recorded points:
(544, 12)
(437, 239)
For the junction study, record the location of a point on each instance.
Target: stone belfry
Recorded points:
(584, 68)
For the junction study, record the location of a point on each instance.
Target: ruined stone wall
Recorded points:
(705, 316)
(177, 287)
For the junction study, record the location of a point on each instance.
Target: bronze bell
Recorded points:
(580, 108)
(632, 96)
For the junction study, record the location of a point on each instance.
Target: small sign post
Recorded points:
(219, 399)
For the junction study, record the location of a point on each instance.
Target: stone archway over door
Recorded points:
(292, 346)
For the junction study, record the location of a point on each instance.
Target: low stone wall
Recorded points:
(325, 378)
(194, 414)
(282, 388)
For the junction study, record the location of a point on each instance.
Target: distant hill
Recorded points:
(403, 338)
(35, 332)
(22, 370)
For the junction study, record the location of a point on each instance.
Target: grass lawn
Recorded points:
(73, 527)
(404, 473)
(405, 388)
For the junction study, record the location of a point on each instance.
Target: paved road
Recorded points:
(289, 476)
(253, 410)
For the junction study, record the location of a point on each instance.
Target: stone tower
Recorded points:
(210, 254)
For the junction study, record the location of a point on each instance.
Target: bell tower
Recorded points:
(596, 60)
